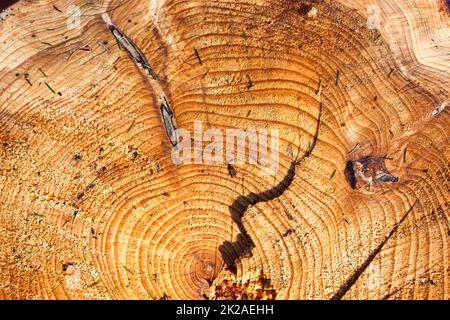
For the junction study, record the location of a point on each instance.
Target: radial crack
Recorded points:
(359, 271)
(244, 244)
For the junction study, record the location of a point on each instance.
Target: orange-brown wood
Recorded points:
(93, 207)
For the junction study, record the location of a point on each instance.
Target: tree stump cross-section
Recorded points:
(95, 97)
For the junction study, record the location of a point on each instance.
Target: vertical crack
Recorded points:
(244, 244)
(140, 60)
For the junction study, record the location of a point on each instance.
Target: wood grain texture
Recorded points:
(93, 207)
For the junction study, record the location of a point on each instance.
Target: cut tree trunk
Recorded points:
(92, 205)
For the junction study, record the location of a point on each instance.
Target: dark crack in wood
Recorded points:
(233, 251)
(348, 284)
